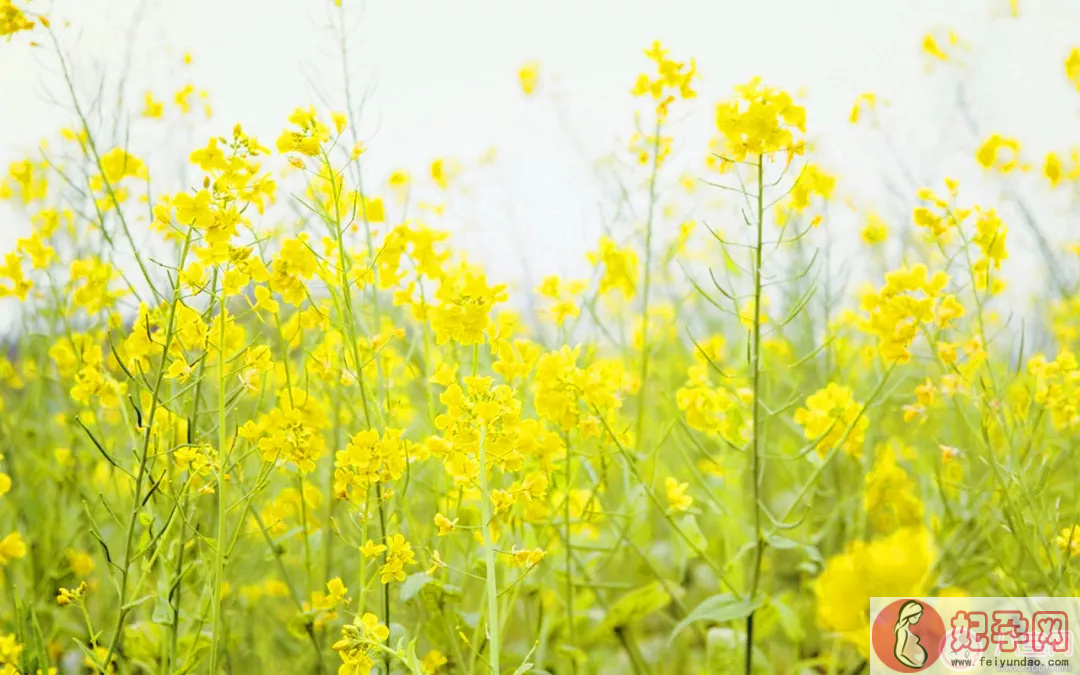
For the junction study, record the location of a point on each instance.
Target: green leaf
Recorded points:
(411, 586)
(635, 605)
(784, 543)
(717, 609)
(162, 612)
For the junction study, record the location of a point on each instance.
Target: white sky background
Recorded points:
(442, 81)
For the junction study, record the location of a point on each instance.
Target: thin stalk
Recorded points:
(628, 643)
(304, 532)
(756, 458)
(489, 558)
(386, 556)
(647, 276)
(219, 548)
(569, 555)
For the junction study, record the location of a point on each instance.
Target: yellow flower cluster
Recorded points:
(1068, 541)
(367, 460)
(1072, 67)
(464, 307)
(891, 502)
(937, 215)
(71, 596)
(358, 639)
(1057, 387)
(309, 135)
(1056, 170)
(944, 220)
(999, 153)
(990, 234)
(908, 300)
(562, 388)
(867, 100)
(233, 183)
(712, 408)
(897, 565)
(10, 652)
(812, 183)
(759, 121)
(25, 180)
(677, 498)
(672, 80)
(479, 408)
(620, 267)
(288, 507)
(12, 547)
(80, 360)
(565, 297)
(529, 77)
(833, 419)
(932, 45)
(90, 281)
(13, 281)
(13, 19)
(399, 554)
(291, 432)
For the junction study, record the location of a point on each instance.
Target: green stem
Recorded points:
(647, 275)
(306, 535)
(386, 556)
(219, 548)
(756, 458)
(569, 556)
(489, 558)
(628, 643)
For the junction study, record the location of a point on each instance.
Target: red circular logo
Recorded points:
(907, 635)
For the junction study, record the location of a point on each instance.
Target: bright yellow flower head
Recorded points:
(12, 547)
(369, 459)
(1057, 387)
(999, 153)
(832, 418)
(941, 45)
(1072, 67)
(672, 80)
(866, 100)
(875, 231)
(399, 553)
(308, 136)
(891, 502)
(529, 77)
(152, 108)
(677, 498)
(445, 525)
(896, 565)
(464, 307)
(759, 121)
(620, 267)
(13, 19)
(1068, 541)
(909, 299)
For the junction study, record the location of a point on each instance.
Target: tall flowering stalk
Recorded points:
(672, 81)
(757, 125)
